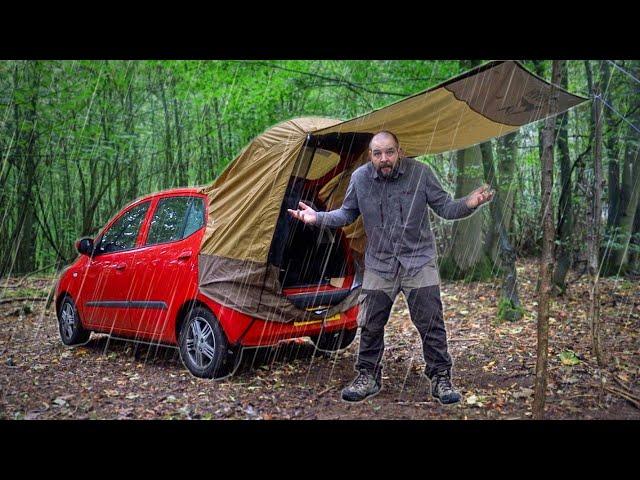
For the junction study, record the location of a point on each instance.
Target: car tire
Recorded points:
(69, 324)
(204, 348)
(334, 341)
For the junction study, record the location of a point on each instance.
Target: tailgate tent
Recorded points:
(246, 200)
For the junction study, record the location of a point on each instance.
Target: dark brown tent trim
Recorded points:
(254, 289)
(529, 104)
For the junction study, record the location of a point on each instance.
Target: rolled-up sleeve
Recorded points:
(442, 202)
(346, 214)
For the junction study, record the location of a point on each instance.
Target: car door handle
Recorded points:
(120, 266)
(185, 255)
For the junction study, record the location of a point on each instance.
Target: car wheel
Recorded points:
(70, 326)
(204, 348)
(333, 341)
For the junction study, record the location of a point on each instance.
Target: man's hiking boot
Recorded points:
(365, 385)
(442, 389)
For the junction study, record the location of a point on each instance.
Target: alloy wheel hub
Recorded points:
(201, 342)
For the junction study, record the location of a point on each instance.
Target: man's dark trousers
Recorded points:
(422, 292)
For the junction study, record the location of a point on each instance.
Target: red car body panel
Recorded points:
(141, 292)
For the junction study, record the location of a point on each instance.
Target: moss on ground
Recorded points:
(483, 270)
(508, 312)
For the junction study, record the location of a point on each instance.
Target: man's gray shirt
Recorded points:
(395, 214)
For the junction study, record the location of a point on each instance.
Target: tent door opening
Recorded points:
(314, 262)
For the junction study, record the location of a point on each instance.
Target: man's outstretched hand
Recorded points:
(479, 196)
(305, 214)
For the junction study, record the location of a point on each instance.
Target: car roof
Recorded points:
(169, 191)
(172, 191)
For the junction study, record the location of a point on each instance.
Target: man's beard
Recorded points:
(389, 173)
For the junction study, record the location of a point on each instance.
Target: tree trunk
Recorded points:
(133, 153)
(613, 210)
(168, 142)
(509, 304)
(634, 245)
(565, 210)
(466, 257)
(628, 196)
(507, 149)
(222, 152)
(593, 239)
(538, 68)
(630, 199)
(182, 171)
(612, 150)
(206, 172)
(490, 177)
(546, 261)
(507, 164)
(25, 236)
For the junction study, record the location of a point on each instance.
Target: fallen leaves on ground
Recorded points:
(494, 366)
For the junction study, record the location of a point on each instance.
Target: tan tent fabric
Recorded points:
(245, 201)
(323, 162)
(498, 99)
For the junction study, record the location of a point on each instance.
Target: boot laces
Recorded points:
(362, 380)
(443, 383)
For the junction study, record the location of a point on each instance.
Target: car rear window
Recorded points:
(176, 218)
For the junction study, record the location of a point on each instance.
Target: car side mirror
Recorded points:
(85, 246)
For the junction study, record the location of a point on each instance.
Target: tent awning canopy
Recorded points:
(487, 102)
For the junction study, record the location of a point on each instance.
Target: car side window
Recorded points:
(176, 218)
(123, 233)
(195, 217)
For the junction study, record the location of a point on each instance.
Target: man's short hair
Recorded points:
(385, 132)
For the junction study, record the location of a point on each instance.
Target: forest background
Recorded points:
(80, 139)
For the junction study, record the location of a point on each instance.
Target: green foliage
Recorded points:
(98, 134)
(568, 358)
(508, 311)
(627, 285)
(105, 132)
(24, 292)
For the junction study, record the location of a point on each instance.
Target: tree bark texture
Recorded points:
(25, 234)
(497, 237)
(565, 210)
(466, 249)
(594, 235)
(546, 260)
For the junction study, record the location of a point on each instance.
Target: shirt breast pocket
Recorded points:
(413, 207)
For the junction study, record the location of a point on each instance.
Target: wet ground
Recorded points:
(108, 378)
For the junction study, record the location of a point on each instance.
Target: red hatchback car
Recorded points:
(139, 280)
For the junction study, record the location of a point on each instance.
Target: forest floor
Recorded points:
(494, 365)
